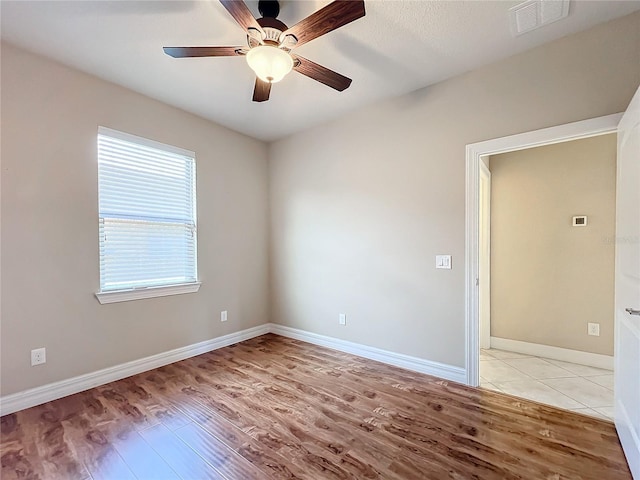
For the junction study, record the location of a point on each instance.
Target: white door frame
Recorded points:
(484, 268)
(474, 152)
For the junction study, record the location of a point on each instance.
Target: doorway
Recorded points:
(476, 241)
(551, 275)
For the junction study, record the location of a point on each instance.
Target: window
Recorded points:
(147, 215)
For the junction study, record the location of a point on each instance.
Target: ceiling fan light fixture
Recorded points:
(270, 63)
(270, 42)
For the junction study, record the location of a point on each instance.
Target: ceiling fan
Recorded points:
(271, 42)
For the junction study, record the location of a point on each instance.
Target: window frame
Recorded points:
(142, 292)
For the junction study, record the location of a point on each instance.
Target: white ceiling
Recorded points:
(398, 47)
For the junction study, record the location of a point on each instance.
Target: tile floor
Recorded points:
(580, 388)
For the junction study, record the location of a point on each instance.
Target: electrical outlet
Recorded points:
(342, 319)
(38, 356)
(223, 316)
(593, 329)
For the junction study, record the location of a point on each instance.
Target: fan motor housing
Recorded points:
(272, 29)
(269, 22)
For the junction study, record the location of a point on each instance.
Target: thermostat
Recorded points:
(580, 221)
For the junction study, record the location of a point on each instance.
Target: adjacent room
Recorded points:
(246, 239)
(550, 315)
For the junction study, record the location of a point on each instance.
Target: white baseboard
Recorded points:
(555, 353)
(448, 372)
(52, 391)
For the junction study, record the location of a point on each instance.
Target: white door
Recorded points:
(485, 256)
(627, 303)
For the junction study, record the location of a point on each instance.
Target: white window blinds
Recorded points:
(147, 209)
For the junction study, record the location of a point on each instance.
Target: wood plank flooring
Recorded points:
(275, 408)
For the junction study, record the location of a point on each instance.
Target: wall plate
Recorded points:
(443, 261)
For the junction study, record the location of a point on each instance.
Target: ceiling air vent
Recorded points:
(534, 14)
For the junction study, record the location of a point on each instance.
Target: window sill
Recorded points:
(116, 296)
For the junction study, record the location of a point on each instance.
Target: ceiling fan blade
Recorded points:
(241, 13)
(321, 74)
(185, 52)
(261, 91)
(329, 18)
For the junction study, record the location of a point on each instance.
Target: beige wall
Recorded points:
(361, 206)
(50, 116)
(548, 278)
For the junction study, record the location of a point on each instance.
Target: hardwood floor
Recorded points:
(275, 408)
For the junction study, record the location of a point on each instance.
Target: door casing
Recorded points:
(484, 273)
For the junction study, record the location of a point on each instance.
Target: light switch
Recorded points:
(443, 261)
